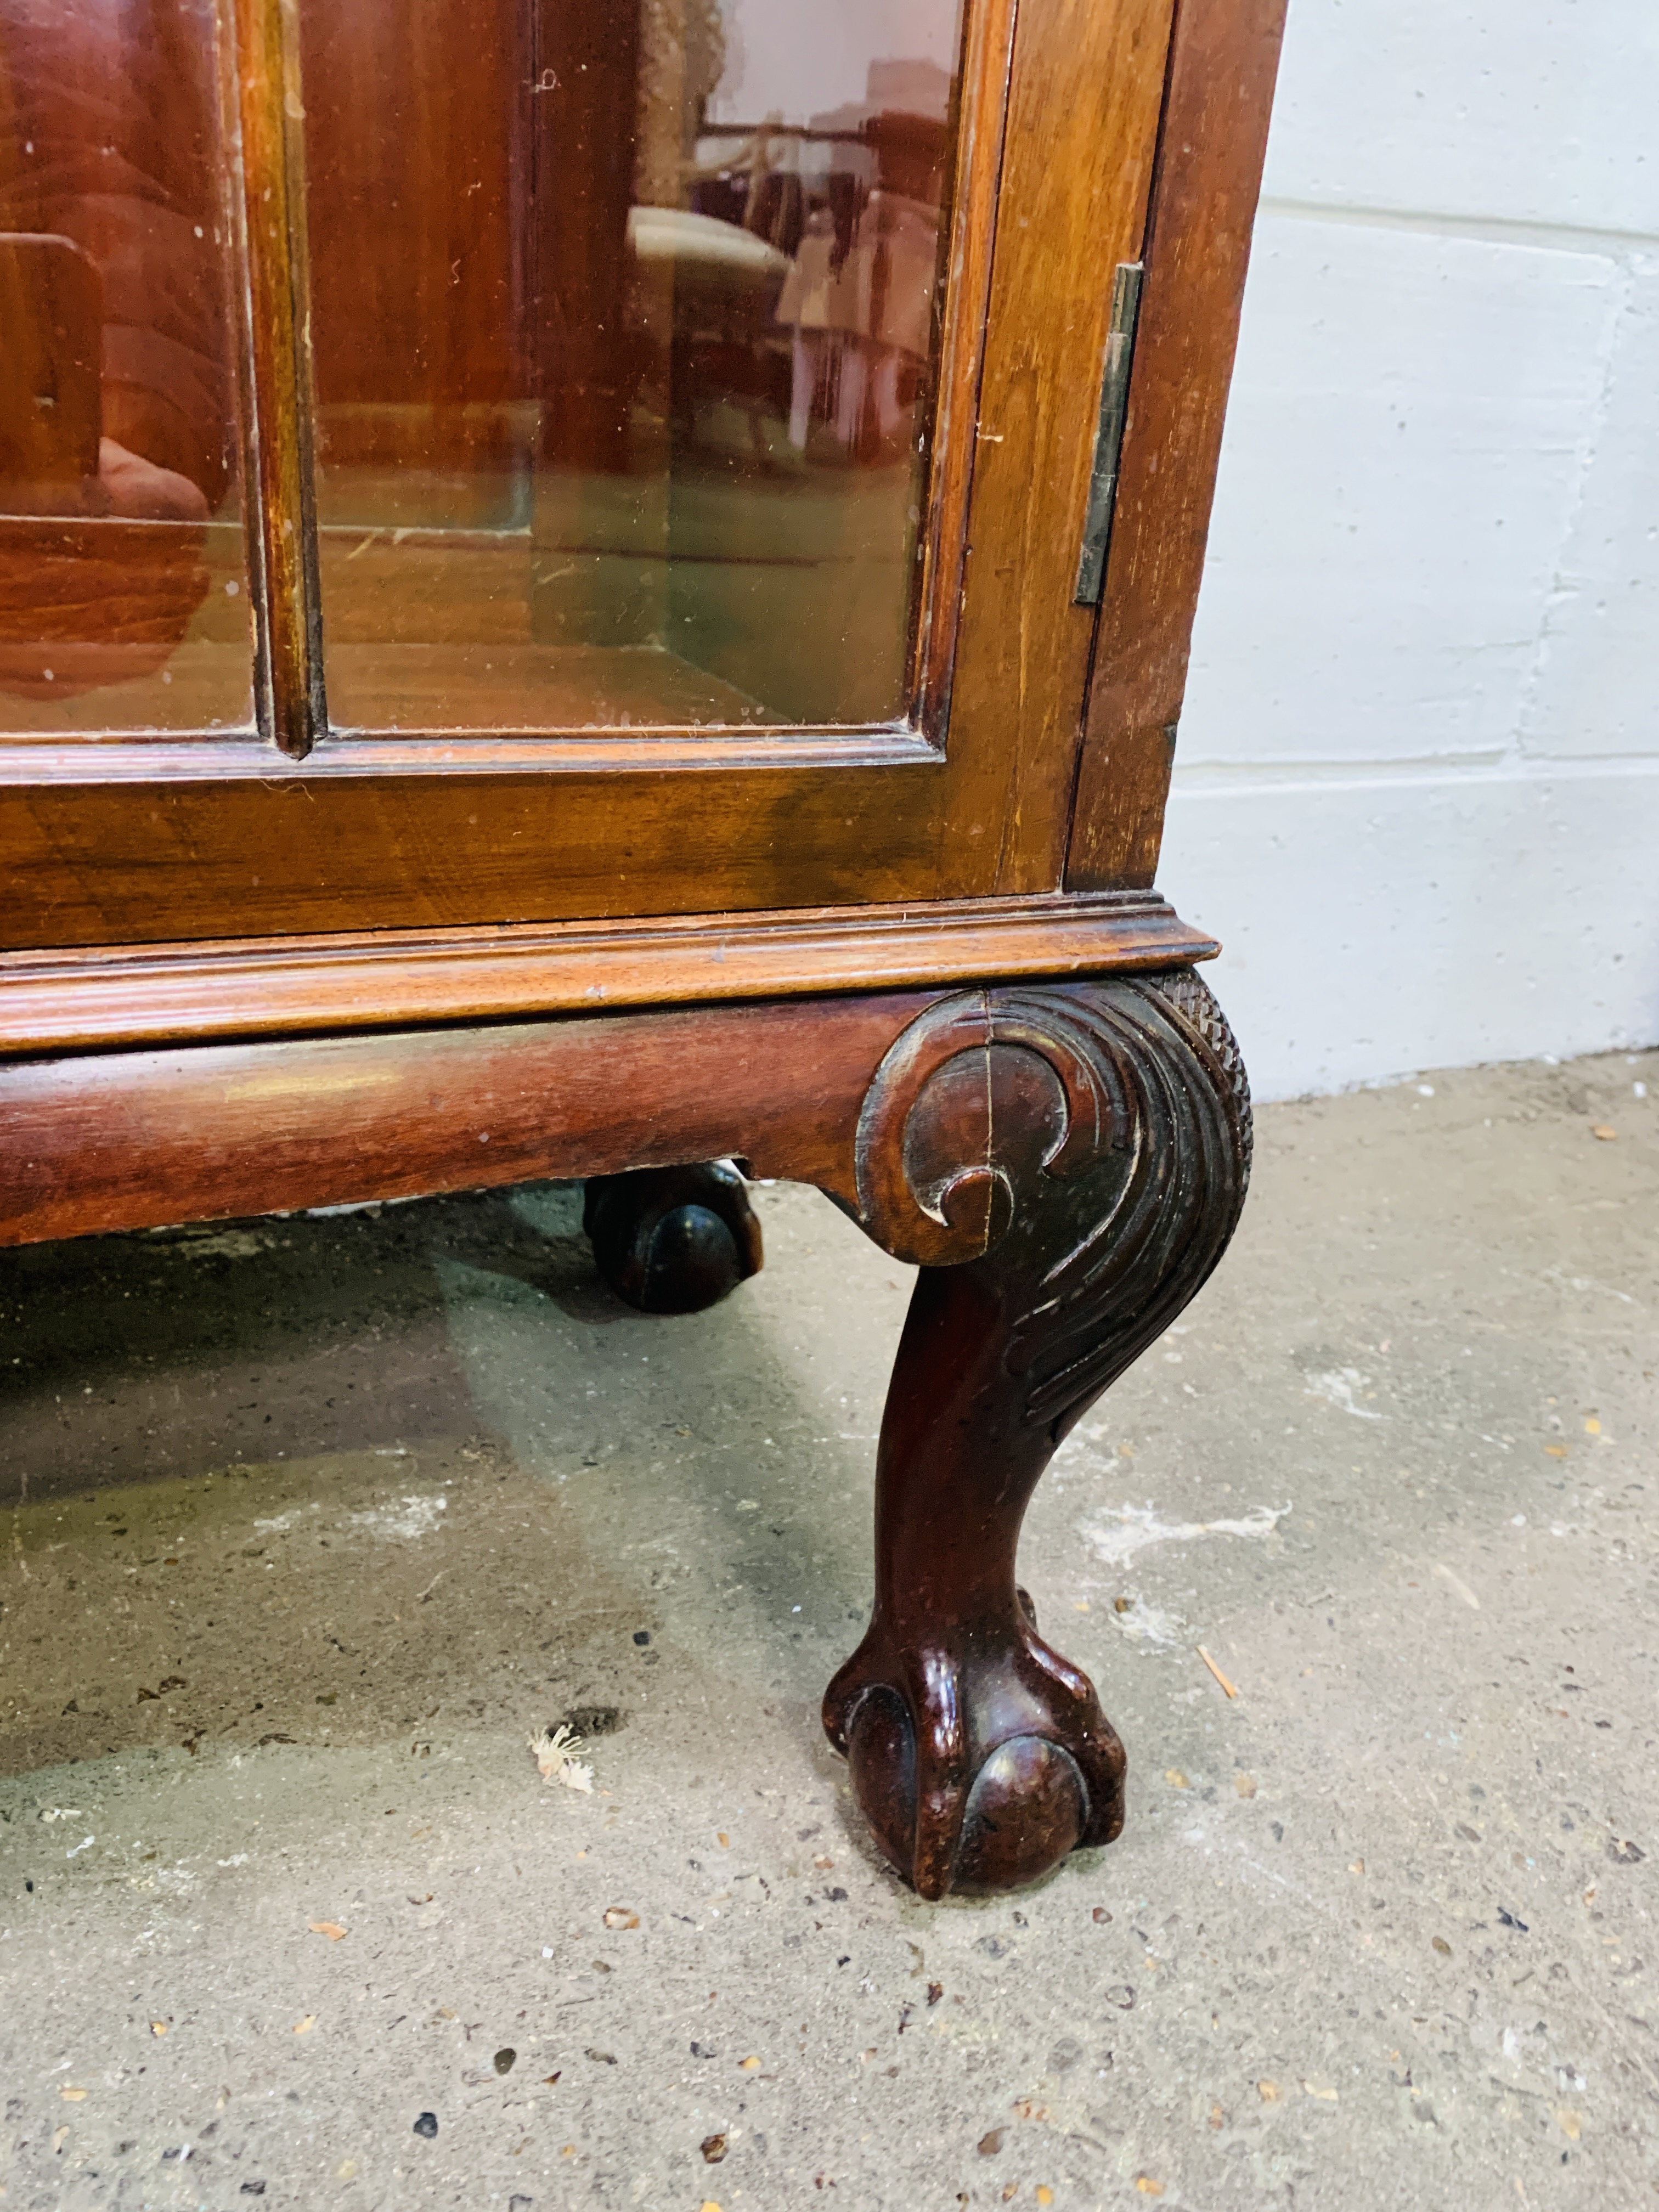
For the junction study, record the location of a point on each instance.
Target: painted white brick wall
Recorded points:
(1417, 790)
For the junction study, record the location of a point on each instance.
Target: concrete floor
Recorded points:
(312, 1523)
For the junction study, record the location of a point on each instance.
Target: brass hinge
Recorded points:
(1108, 432)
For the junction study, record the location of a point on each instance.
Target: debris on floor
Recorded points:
(556, 1750)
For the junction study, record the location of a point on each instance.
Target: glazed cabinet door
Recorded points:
(473, 462)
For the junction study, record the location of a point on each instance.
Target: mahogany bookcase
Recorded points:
(572, 607)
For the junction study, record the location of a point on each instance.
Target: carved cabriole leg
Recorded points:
(1067, 1162)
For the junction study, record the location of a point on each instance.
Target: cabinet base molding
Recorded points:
(1063, 1160)
(69, 1000)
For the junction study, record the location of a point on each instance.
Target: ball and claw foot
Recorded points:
(673, 1240)
(989, 1764)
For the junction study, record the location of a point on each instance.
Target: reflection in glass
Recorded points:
(624, 317)
(123, 583)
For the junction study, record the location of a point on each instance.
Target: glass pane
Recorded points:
(622, 318)
(124, 602)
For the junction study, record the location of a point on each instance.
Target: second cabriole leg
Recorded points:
(1068, 1163)
(673, 1240)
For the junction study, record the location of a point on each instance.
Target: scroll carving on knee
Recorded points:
(1066, 1163)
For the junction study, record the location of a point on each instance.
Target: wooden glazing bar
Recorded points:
(982, 115)
(289, 683)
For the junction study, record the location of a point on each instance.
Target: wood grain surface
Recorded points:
(1224, 60)
(211, 1132)
(1082, 127)
(361, 845)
